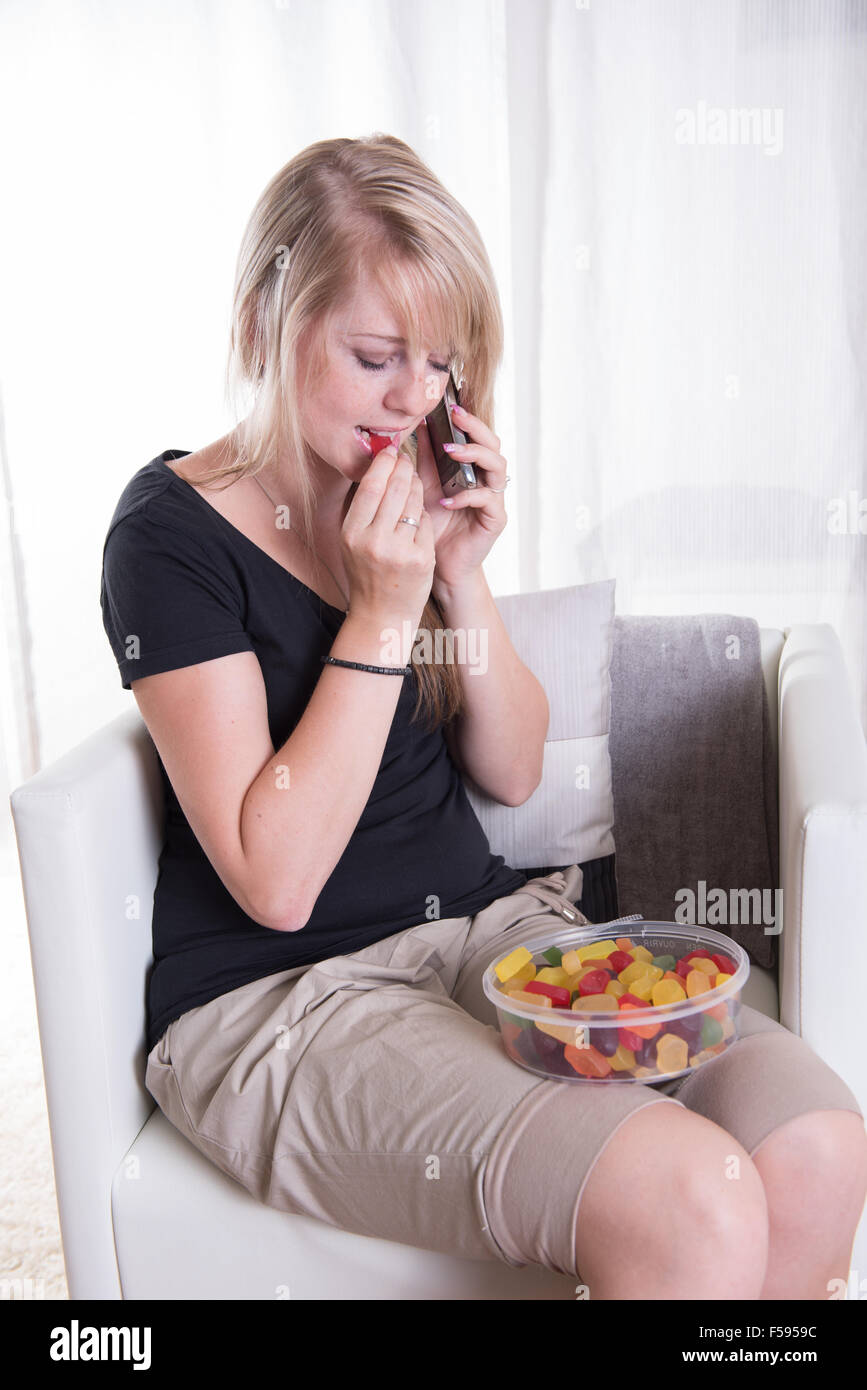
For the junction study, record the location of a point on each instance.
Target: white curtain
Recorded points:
(701, 340)
(673, 198)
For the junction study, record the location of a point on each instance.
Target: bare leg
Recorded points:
(814, 1170)
(663, 1216)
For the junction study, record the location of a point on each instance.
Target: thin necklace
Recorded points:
(303, 542)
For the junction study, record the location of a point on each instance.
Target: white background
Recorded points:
(685, 323)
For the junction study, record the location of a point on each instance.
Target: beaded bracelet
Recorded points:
(360, 666)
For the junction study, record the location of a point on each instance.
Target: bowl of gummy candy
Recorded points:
(648, 1006)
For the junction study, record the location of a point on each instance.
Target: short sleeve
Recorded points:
(166, 601)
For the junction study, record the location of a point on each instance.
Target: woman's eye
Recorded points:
(378, 366)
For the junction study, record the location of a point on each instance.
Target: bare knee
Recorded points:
(820, 1150)
(673, 1208)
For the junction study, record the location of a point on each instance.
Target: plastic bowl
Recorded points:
(569, 1044)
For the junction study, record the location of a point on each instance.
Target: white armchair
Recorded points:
(144, 1215)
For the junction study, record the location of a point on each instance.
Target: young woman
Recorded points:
(327, 899)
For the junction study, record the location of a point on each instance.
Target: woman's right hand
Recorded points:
(389, 564)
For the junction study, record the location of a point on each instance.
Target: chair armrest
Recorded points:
(823, 852)
(89, 831)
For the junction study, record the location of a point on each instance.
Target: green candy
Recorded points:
(664, 962)
(711, 1031)
(521, 1022)
(553, 955)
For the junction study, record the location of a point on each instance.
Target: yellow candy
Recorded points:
(721, 979)
(697, 982)
(616, 989)
(597, 950)
(553, 975)
(521, 977)
(667, 992)
(636, 971)
(513, 963)
(573, 1037)
(641, 987)
(709, 967)
(642, 953)
(671, 1053)
(525, 998)
(644, 1071)
(623, 1059)
(603, 1003)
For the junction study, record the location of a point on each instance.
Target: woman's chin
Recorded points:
(356, 469)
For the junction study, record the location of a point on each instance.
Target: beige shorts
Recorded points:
(372, 1091)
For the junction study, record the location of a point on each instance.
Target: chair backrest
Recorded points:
(89, 830)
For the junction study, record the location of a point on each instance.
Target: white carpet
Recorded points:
(30, 1248)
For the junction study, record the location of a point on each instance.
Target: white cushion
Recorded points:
(565, 637)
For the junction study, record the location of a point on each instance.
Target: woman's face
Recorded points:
(369, 381)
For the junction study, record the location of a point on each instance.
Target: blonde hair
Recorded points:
(340, 209)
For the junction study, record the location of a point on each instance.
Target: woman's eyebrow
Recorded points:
(389, 338)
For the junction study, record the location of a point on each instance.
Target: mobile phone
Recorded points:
(454, 476)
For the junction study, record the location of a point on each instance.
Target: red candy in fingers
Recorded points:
(378, 442)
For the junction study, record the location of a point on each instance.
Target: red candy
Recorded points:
(628, 998)
(560, 997)
(619, 960)
(378, 442)
(724, 965)
(630, 1040)
(594, 982)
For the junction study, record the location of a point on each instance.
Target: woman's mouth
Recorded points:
(373, 440)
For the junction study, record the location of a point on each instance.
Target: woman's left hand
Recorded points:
(465, 530)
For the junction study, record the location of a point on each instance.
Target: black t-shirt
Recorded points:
(180, 585)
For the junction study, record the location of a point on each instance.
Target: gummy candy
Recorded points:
(512, 964)
(560, 998)
(616, 978)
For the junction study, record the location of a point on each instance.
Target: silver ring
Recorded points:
(410, 521)
(500, 489)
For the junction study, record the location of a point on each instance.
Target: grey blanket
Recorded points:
(694, 778)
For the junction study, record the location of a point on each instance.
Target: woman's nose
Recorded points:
(415, 392)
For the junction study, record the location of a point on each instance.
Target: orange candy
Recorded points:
(587, 1061)
(697, 982)
(646, 1030)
